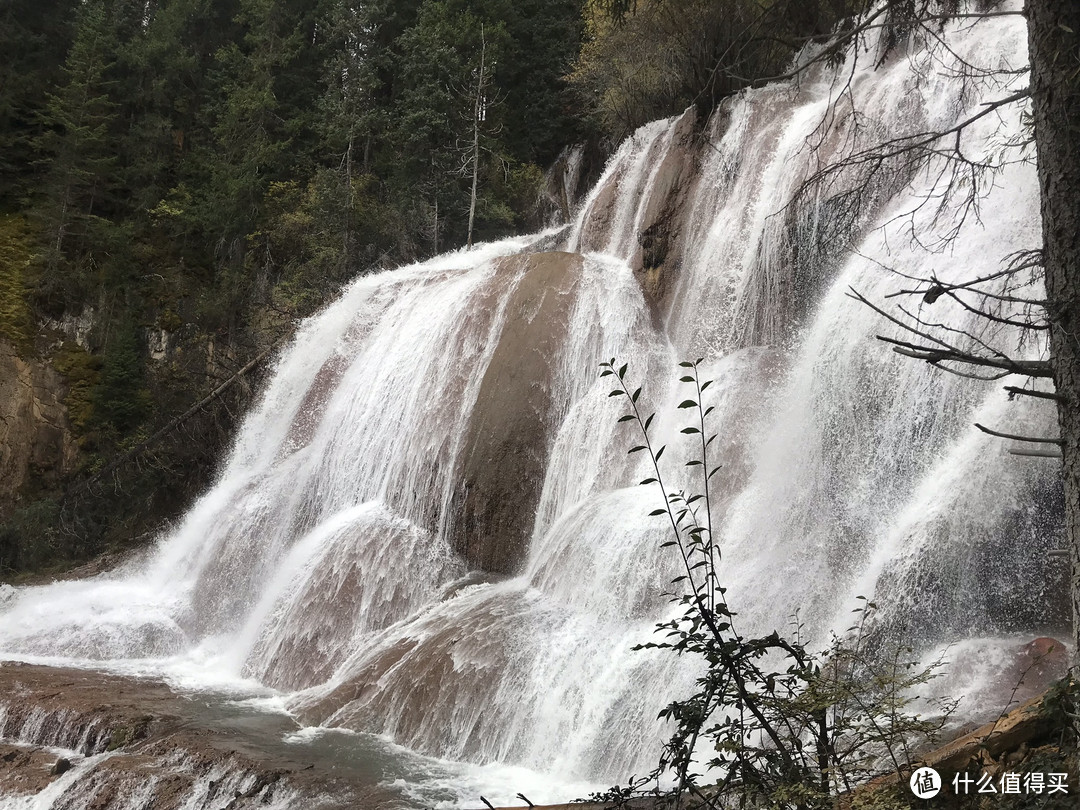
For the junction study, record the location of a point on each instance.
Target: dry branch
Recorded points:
(1037, 452)
(1014, 437)
(1029, 392)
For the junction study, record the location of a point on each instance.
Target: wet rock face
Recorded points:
(1036, 667)
(657, 261)
(25, 770)
(655, 222)
(507, 441)
(80, 711)
(35, 438)
(566, 181)
(105, 742)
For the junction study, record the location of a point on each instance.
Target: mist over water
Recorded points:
(331, 561)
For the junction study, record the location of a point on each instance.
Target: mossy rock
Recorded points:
(123, 736)
(82, 371)
(16, 265)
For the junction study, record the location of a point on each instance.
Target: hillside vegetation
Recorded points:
(181, 180)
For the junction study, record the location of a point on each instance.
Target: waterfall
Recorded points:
(428, 527)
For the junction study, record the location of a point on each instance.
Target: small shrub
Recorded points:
(772, 724)
(30, 538)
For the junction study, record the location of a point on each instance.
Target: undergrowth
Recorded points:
(772, 723)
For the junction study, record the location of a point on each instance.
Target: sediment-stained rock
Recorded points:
(135, 743)
(25, 770)
(657, 259)
(499, 485)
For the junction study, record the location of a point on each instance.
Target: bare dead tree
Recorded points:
(482, 101)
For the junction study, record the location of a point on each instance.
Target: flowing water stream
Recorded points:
(427, 536)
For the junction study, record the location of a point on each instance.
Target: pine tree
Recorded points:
(35, 36)
(79, 143)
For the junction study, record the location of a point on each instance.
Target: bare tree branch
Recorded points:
(1028, 392)
(1001, 435)
(1028, 368)
(1037, 452)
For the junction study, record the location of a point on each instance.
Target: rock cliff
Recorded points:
(36, 442)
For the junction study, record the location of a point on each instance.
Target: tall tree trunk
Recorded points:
(435, 230)
(475, 175)
(1054, 45)
(346, 246)
(478, 115)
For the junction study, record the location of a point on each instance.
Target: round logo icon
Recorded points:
(926, 783)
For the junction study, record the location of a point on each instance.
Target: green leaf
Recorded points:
(622, 370)
(660, 452)
(626, 418)
(647, 481)
(688, 403)
(606, 374)
(634, 396)
(656, 512)
(689, 430)
(686, 364)
(635, 449)
(686, 379)
(649, 420)
(706, 384)
(616, 393)
(709, 410)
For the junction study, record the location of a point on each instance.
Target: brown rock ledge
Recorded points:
(148, 737)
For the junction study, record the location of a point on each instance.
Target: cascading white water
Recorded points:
(330, 560)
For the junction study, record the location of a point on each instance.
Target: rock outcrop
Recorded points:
(658, 219)
(36, 443)
(499, 485)
(124, 743)
(657, 260)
